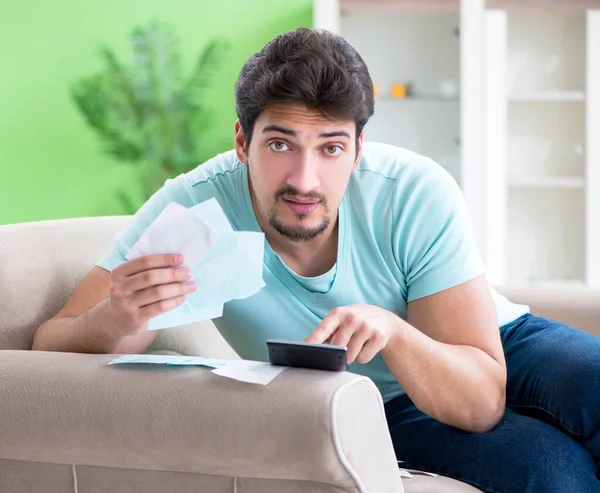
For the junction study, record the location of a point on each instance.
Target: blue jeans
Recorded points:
(549, 438)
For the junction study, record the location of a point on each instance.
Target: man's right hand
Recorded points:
(144, 288)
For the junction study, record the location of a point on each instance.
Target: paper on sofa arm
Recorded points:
(250, 371)
(242, 370)
(225, 264)
(169, 360)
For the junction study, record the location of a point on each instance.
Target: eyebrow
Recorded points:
(277, 128)
(338, 133)
(292, 133)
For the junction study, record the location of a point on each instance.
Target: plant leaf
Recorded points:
(91, 95)
(202, 75)
(146, 112)
(156, 65)
(157, 68)
(124, 83)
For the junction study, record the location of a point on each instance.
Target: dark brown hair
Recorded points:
(314, 67)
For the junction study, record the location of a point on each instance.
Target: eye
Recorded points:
(278, 146)
(333, 150)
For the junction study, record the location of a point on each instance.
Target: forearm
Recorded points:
(456, 384)
(90, 332)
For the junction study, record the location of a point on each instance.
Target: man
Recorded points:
(370, 247)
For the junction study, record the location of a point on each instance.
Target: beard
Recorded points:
(298, 232)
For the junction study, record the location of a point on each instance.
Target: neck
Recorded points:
(306, 258)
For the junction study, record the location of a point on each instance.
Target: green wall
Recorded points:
(51, 165)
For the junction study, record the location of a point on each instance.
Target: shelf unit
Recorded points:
(551, 182)
(547, 96)
(543, 166)
(422, 42)
(517, 125)
(387, 6)
(394, 37)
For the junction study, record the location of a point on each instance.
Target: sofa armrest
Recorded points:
(578, 307)
(305, 425)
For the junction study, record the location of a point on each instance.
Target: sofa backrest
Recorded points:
(42, 262)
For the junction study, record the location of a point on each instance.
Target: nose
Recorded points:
(303, 175)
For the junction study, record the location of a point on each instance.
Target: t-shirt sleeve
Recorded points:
(434, 239)
(176, 189)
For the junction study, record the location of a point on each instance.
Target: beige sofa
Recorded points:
(70, 423)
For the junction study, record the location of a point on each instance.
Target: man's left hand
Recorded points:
(363, 329)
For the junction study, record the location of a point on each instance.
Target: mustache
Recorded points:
(293, 192)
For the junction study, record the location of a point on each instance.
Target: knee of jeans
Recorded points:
(551, 462)
(581, 396)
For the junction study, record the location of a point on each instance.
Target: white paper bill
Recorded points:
(255, 372)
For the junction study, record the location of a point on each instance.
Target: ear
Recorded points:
(240, 143)
(359, 148)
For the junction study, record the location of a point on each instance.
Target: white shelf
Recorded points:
(549, 182)
(552, 284)
(545, 236)
(545, 140)
(526, 113)
(548, 97)
(419, 98)
(394, 46)
(543, 6)
(546, 52)
(349, 6)
(542, 154)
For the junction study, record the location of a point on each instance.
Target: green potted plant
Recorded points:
(147, 113)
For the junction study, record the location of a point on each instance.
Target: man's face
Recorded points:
(300, 164)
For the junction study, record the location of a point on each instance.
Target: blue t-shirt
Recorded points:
(404, 233)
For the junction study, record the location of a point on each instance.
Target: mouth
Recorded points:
(301, 206)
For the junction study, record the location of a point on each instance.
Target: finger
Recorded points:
(155, 309)
(154, 277)
(162, 293)
(326, 328)
(148, 262)
(369, 351)
(356, 344)
(345, 331)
